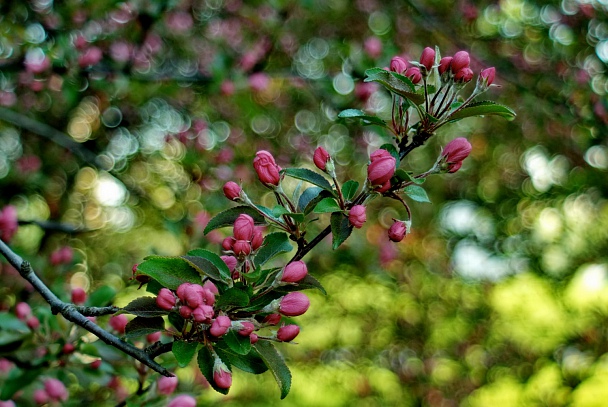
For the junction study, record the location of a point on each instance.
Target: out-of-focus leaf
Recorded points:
(275, 362)
(16, 380)
(403, 175)
(101, 297)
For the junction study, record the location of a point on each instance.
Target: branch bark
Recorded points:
(78, 315)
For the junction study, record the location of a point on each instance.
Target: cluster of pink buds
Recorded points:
(246, 238)
(54, 391)
(24, 313)
(63, 255)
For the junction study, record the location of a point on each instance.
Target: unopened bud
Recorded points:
(232, 190)
(288, 333)
(320, 158)
(221, 375)
(266, 168)
(398, 65)
(397, 231)
(427, 59)
(220, 325)
(357, 216)
(460, 60)
(414, 74)
(294, 304)
(294, 272)
(166, 385)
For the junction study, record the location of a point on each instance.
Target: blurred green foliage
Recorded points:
(498, 297)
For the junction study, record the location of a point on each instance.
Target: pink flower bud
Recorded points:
(398, 65)
(222, 376)
(488, 75)
(33, 323)
(220, 325)
(356, 216)
(166, 385)
(230, 261)
(119, 322)
(397, 231)
(211, 287)
(79, 296)
(242, 248)
(455, 152)
(414, 74)
(227, 243)
(68, 348)
(266, 168)
(272, 319)
(294, 272)
(288, 333)
(183, 400)
(320, 158)
(165, 299)
(373, 47)
(23, 311)
(91, 56)
(185, 311)
(384, 187)
(55, 390)
(427, 58)
(381, 168)
(243, 227)
(247, 328)
(464, 75)
(253, 338)
(40, 396)
(193, 295)
(203, 313)
(8, 223)
(294, 304)
(96, 364)
(257, 240)
(232, 190)
(444, 65)
(460, 60)
(153, 337)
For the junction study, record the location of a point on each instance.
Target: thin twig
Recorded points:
(73, 313)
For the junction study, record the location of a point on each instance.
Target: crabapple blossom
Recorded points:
(357, 216)
(287, 333)
(266, 168)
(294, 304)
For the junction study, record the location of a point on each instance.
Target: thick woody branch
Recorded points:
(77, 314)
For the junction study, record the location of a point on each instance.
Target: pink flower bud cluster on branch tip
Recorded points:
(398, 65)
(266, 168)
(246, 239)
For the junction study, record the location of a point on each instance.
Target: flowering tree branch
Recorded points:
(78, 315)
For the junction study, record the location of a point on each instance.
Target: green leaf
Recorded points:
(232, 297)
(140, 326)
(360, 114)
(349, 189)
(184, 352)
(275, 362)
(340, 229)
(239, 344)
(153, 287)
(250, 363)
(311, 282)
(274, 244)
(279, 211)
(416, 193)
(205, 363)
(209, 264)
(101, 297)
(11, 340)
(483, 108)
(170, 272)
(403, 175)
(227, 217)
(395, 83)
(327, 205)
(177, 321)
(16, 380)
(268, 212)
(310, 198)
(10, 322)
(144, 307)
(309, 176)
